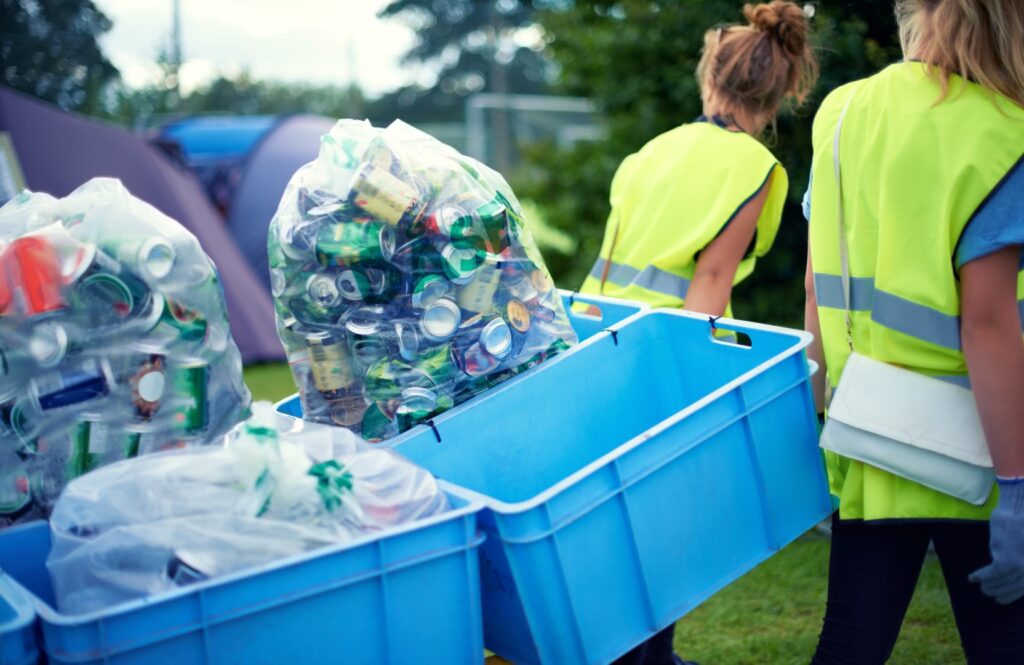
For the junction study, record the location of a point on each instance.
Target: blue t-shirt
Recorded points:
(997, 224)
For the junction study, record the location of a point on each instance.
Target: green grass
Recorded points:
(270, 381)
(773, 615)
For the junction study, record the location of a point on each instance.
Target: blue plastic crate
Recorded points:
(17, 637)
(588, 315)
(628, 481)
(411, 595)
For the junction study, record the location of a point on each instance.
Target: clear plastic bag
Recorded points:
(114, 341)
(405, 280)
(279, 487)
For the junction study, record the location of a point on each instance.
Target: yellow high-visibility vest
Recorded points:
(914, 174)
(671, 199)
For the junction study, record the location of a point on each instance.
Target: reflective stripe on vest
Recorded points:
(651, 278)
(892, 311)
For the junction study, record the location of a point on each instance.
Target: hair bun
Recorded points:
(784, 21)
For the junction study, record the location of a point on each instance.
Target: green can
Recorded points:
(189, 383)
(348, 242)
(82, 459)
(460, 264)
(438, 365)
(376, 425)
(189, 324)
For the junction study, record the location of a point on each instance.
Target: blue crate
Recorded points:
(588, 315)
(411, 595)
(628, 481)
(17, 637)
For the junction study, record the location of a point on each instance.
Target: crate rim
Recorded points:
(801, 340)
(19, 600)
(52, 616)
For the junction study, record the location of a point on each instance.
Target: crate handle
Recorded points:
(736, 338)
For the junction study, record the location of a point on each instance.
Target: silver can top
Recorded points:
(440, 320)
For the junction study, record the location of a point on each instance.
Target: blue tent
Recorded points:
(215, 149)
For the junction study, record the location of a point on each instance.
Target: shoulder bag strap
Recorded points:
(844, 250)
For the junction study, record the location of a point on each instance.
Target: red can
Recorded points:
(6, 288)
(34, 268)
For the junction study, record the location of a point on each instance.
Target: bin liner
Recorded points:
(405, 280)
(279, 487)
(114, 341)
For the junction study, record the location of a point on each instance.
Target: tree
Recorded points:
(49, 49)
(636, 59)
(477, 45)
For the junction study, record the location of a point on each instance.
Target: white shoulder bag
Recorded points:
(911, 425)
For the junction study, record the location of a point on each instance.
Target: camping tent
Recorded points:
(292, 142)
(216, 147)
(59, 151)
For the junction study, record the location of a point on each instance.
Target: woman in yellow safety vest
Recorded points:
(696, 206)
(915, 261)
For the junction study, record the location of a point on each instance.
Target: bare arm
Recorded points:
(716, 268)
(991, 333)
(816, 351)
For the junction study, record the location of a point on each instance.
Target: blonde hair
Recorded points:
(758, 66)
(979, 40)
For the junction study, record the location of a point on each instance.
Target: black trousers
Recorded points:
(873, 570)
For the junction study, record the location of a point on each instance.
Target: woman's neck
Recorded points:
(734, 119)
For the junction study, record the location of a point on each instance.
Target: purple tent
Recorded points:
(59, 151)
(293, 141)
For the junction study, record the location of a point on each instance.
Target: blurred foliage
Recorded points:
(636, 60)
(476, 46)
(242, 94)
(49, 49)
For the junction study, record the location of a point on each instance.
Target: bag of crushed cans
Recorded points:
(114, 341)
(405, 280)
(279, 487)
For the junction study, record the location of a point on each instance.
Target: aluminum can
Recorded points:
(475, 361)
(365, 321)
(440, 320)
(478, 295)
(376, 425)
(438, 365)
(6, 279)
(517, 315)
(428, 289)
(16, 422)
(383, 195)
(496, 338)
(322, 290)
(188, 324)
(349, 242)
(329, 364)
(48, 343)
(82, 459)
(189, 386)
(36, 278)
(153, 258)
(89, 379)
(147, 384)
(459, 264)
(349, 409)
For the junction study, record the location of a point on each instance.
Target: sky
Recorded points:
(316, 41)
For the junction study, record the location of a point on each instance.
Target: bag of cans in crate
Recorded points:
(405, 280)
(114, 341)
(279, 487)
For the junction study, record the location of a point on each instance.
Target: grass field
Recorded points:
(773, 615)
